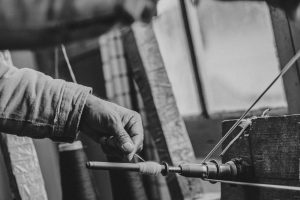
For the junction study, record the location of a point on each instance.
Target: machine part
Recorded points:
(210, 170)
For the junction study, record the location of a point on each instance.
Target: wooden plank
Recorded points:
(165, 123)
(14, 190)
(272, 148)
(286, 39)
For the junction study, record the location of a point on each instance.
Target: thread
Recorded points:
(150, 168)
(75, 178)
(281, 73)
(63, 48)
(139, 157)
(260, 185)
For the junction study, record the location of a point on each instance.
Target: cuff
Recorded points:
(70, 108)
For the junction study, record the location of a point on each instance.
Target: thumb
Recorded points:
(123, 139)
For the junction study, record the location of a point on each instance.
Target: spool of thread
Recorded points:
(75, 178)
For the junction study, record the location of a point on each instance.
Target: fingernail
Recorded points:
(128, 147)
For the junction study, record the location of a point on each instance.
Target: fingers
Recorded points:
(111, 148)
(123, 140)
(128, 138)
(135, 129)
(102, 118)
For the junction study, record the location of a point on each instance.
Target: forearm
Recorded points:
(35, 105)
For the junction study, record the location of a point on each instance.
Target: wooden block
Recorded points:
(272, 148)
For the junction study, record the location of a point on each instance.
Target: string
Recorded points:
(139, 157)
(56, 62)
(68, 63)
(282, 72)
(260, 185)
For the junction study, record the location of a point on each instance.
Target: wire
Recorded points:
(139, 157)
(260, 185)
(282, 72)
(56, 62)
(68, 63)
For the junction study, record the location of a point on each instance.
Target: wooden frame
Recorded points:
(166, 125)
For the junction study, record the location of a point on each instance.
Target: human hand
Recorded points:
(120, 126)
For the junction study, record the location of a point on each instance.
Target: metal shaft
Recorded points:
(113, 166)
(165, 168)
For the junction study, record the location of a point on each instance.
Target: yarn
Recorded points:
(75, 178)
(150, 168)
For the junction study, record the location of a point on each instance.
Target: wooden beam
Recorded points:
(52, 34)
(165, 123)
(272, 148)
(287, 41)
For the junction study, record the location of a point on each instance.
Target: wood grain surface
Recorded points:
(272, 148)
(165, 123)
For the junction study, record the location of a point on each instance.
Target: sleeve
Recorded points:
(35, 105)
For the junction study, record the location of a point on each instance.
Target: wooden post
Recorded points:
(287, 39)
(272, 148)
(165, 123)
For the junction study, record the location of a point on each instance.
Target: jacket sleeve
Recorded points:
(35, 105)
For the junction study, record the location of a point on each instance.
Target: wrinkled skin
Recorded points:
(118, 129)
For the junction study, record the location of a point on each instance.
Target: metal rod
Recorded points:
(113, 166)
(282, 72)
(174, 169)
(271, 186)
(137, 167)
